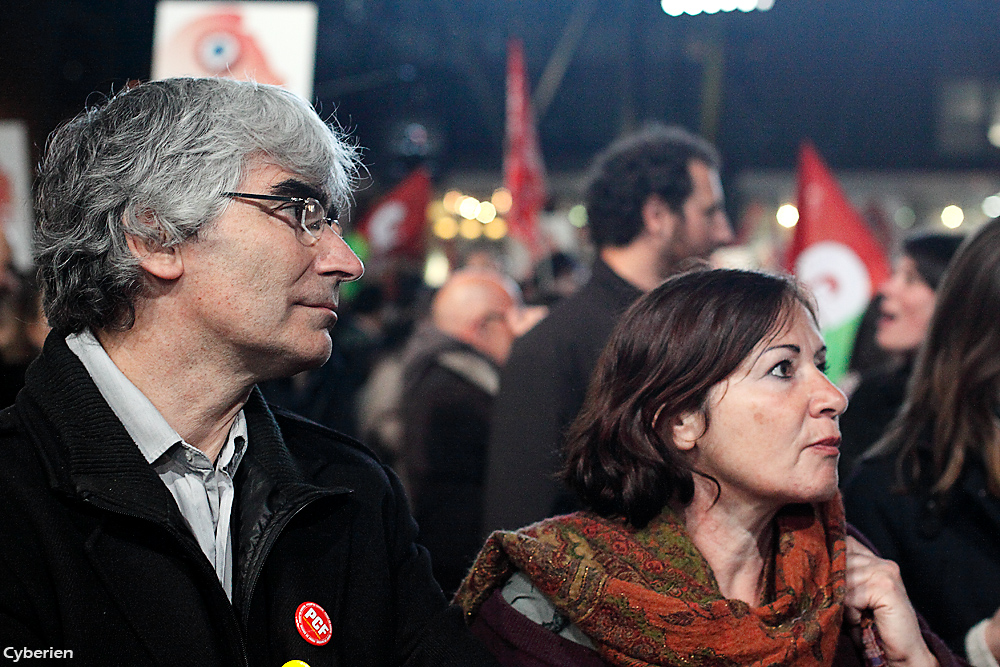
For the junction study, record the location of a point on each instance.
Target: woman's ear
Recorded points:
(687, 428)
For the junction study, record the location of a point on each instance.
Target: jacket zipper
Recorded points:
(270, 537)
(89, 499)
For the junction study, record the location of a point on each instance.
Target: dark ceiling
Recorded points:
(861, 78)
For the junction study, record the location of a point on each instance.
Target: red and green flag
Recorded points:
(835, 254)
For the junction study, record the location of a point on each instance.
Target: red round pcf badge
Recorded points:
(313, 623)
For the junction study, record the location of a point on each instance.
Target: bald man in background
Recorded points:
(451, 375)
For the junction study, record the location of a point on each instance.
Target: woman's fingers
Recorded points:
(875, 583)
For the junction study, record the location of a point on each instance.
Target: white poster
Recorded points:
(16, 219)
(268, 42)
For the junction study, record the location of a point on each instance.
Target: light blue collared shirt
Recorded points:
(204, 492)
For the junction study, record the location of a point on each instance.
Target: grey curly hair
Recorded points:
(163, 151)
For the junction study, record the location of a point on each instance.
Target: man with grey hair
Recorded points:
(155, 509)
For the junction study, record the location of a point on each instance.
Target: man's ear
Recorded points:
(687, 428)
(163, 262)
(657, 217)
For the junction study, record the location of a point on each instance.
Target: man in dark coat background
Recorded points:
(155, 509)
(654, 201)
(451, 373)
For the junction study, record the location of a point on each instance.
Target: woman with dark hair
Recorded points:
(706, 456)
(928, 494)
(904, 313)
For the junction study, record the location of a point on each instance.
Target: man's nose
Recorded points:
(336, 257)
(723, 230)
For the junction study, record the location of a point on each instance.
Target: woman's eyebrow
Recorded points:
(788, 346)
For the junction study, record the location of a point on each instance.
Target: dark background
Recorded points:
(864, 79)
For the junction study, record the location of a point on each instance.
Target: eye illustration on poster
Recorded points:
(15, 192)
(267, 42)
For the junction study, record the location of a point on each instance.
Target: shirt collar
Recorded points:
(143, 422)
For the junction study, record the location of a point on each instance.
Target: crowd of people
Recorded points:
(213, 460)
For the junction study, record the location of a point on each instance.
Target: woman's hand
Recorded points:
(993, 635)
(874, 583)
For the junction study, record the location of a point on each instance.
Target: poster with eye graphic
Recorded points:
(16, 218)
(268, 42)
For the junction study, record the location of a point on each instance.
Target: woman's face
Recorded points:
(906, 310)
(772, 436)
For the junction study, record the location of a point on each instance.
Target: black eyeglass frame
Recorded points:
(332, 223)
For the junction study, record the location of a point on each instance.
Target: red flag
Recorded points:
(524, 172)
(835, 254)
(397, 223)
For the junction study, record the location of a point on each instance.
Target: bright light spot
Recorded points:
(451, 200)
(495, 229)
(904, 217)
(788, 216)
(578, 216)
(468, 208)
(436, 269)
(470, 229)
(711, 6)
(952, 216)
(445, 227)
(673, 7)
(487, 212)
(693, 7)
(502, 200)
(993, 134)
(991, 206)
(435, 210)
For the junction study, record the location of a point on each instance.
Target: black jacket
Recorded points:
(448, 390)
(947, 548)
(873, 406)
(96, 558)
(542, 387)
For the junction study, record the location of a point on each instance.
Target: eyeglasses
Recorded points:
(307, 213)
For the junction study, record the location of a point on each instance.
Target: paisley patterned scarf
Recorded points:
(648, 597)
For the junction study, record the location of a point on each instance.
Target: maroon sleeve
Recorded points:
(517, 641)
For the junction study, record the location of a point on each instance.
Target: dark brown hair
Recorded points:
(951, 404)
(672, 346)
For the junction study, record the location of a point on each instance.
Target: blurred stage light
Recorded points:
(711, 6)
(991, 206)
(495, 229)
(502, 200)
(952, 216)
(993, 134)
(694, 7)
(578, 216)
(468, 208)
(904, 217)
(451, 201)
(470, 229)
(487, 211)
(435, 210)
(436, 269)
(445, 227)
(787, 215)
